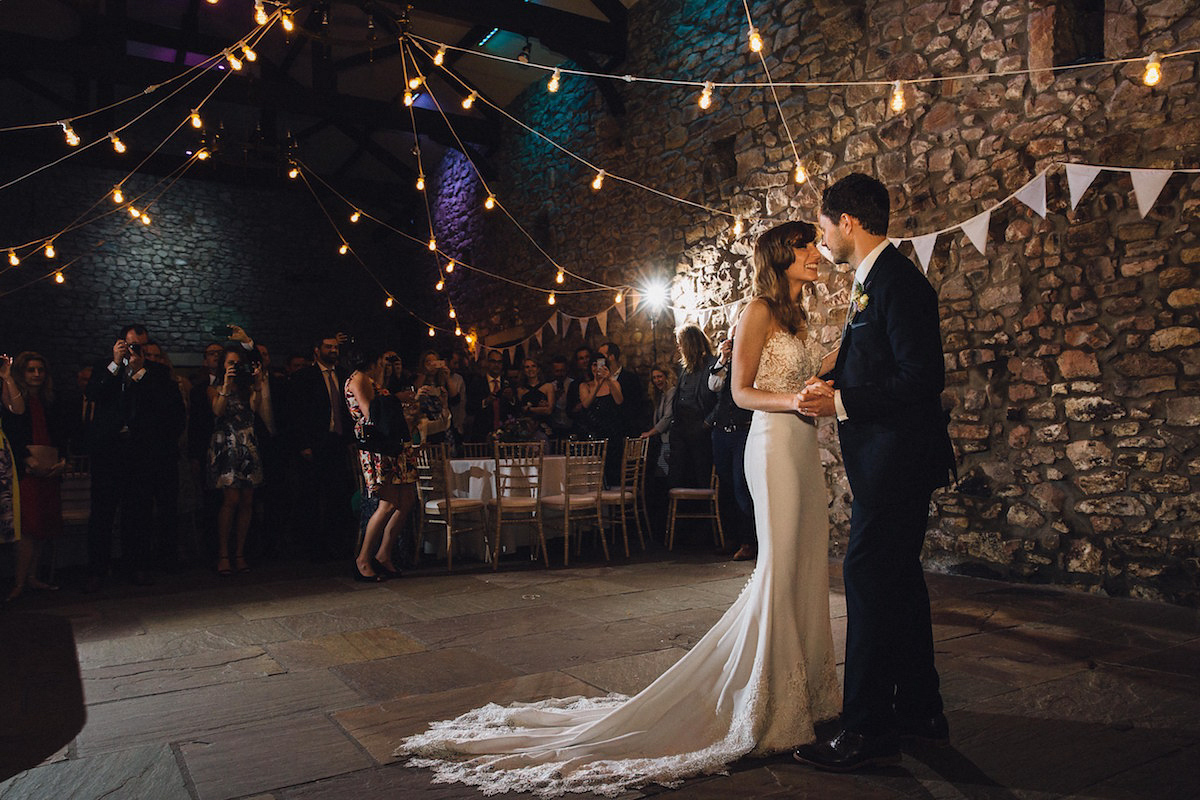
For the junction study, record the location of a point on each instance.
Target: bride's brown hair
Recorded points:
(773, 254)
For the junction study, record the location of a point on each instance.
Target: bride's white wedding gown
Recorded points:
(754, 685)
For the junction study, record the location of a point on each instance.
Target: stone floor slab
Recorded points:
(138, 772)
(574, 646)
(389, 613)
(268, 755)
(633, 605)
(208, 668)
(474, 629)
(629, 674)
(379, 728)
(156, 646)
(423, 672)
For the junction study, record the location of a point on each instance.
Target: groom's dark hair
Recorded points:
(863, 198)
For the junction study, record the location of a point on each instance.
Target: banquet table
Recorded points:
(475, 478)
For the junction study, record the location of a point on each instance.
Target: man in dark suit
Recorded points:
(137, 419)
(885, 391)
(319, 438)
(491, 398)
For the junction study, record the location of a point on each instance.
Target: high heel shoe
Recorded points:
(358, 576)
(241, 565)
(384, 569)
(223, 567)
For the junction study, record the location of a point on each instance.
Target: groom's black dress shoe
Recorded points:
(850, 751)
(934, 730)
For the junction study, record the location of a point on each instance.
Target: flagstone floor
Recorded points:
(292, 683)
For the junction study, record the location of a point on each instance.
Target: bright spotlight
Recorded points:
(657, 294)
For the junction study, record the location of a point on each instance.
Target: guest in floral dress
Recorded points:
(391, 479)
(10, 502)
(234, 463)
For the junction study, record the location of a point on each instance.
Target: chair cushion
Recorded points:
(614, 495)
(457, 504)
(517, 503)
(684, 493)
(577, 500)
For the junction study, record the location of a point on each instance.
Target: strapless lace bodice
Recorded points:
(786, 363)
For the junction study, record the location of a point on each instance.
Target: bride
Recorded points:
(764, 674)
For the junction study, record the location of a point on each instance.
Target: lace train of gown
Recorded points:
(755, 684)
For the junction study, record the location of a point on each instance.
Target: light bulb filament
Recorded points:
(598, 181)
(756, 42)
(706, 96)
(897, 97)
(1153, 73)
(440, 56)
(469, 100)
(554, 80)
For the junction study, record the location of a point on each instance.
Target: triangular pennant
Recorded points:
(1033, 194)
(512, 354)
(635, 300)
(620, 307)
(1079, 178)
(602, 321)
(1147, 185)
(895, 242)
(702, 316)
(976, 229)
(553, 323)
(537, 337)
(923, 246)
(566, 325)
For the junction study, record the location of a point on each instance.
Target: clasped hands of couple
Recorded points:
(815, 399)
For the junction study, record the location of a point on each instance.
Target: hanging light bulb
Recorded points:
(234, 61)
(414, 81)
(345, 248)
(457, 330)
(440, 56)
(555, 78)
(294, 172)
(897, 102)
(260, 13)
(800, 175)
(195, 117)
(431, 333)
(706, 96)
(248, 53)
(59, 278)
(389, 302)
(737, 226)
(450, 266)
(69, 133)
(470, 338)
(49, 251)
(408, 97)
(756, 42)
(490, 203)
(118, 196)
(12, 258)
(289, 24)
(421, 182)
(559, 276)
(441, 284)
(453, 313)
(133, 212)
(469, 100)
(551, 300)
(620, 297)
(145, 218)
(433, 244)
(213, 2)
(598, 181)
(117, 144)
(202, 154)
(356, 216)
(1153, 73)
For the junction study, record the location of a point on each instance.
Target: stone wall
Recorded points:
(258, 252)
(1071, 346)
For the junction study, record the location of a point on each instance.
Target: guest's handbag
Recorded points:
(387, 433)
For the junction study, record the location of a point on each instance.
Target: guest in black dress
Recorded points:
(602, 402)
(691, 442)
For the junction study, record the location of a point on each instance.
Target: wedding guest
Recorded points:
(433, 397)
(691, 443)
(164, 488)
(12, 403)
(560, 420)
(535, 397)
(730, 426)
(234, 461)
(658, 455)
(603, 403)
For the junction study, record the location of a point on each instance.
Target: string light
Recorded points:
(414, 81)
(356, 216)
(433, 244)
(118, 196)
(897, 97)
(620, 297)
(133, 212)
(249, 54)
(441, 284)
(289, 24)
(450, 266)
(598, 181)
(294, 172)
(490, 203)
(706, 96)
(145, 218)
(555, 77)
(551, 300)
(202, 154)
(390, 301)
(260, 13)
(1153, 73)
(457, 330)
(421, 182)
(12, 258)
(470, 338)
(431, 333)
(737, 226)
(69, 133)
(195, 117)
(408, 97)
(800, 176)
(117, 144)
(559, 276)
(234, 61)
(469, 100)
(49, 251)
(345, 248)
(440, 56)
(453, 313)
(59, 277)
(756, 42)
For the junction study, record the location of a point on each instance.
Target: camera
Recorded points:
(222, 331)
(601, 362)
(243, 373)
(135, 348)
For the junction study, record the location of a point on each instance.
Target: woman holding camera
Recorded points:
(602, 399)
(234, 463)
(390, 478)
(433, 396)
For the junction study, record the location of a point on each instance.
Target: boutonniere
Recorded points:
(859, 297)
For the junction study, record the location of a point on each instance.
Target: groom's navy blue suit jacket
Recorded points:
(891, 374)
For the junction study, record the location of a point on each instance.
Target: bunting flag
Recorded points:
(923, 246)
(512, 354)
(976, 229)
(635, 300)
(895, 242)
(1147, 185)
(602, 321)
(1033, 194)
(554, 323)
(1079, 178)
(537, 337)
(621, 309)
(702, 316)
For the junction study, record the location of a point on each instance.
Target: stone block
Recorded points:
(1140, 365)
(1122, 506)
(1092, 409)
(1184, 298)
(1089, 454)
(1023, 516)
(1183, 411)
(1078, 364)
(1105, 481)
(1170, 338)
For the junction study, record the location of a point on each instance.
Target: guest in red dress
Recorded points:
(39, 438)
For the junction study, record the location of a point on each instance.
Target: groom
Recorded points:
(885, 391)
